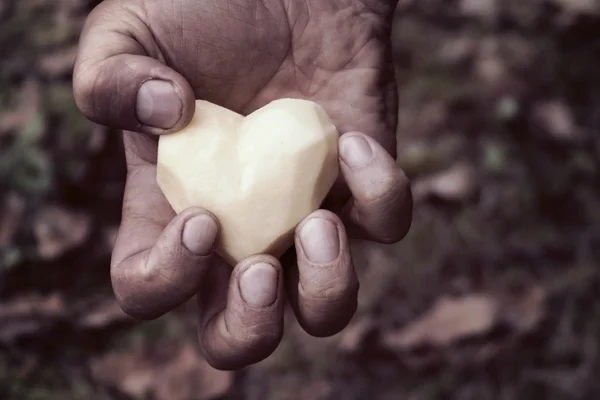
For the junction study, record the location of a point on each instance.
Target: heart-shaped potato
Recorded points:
(260, 175)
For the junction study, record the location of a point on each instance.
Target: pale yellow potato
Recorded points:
(260, 174)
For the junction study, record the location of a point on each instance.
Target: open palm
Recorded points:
(140, 67)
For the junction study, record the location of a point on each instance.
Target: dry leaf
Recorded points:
(190, 377)
(180, 375)
(34, 304)
(352, 336)
(28, 315)
(449, 319)
(129, 371)
(102, 315)
(58, 230)
(524, 311)
(456, 183)
(556, 118)
(35, 314)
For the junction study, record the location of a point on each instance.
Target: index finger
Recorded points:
(159, 257)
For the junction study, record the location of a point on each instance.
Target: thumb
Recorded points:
(120, 79)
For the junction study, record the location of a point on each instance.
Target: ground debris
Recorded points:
(29, 315)
(102, 314)
(58, 230)
(32, 315)
(556, 119)
(448, 320)
(165, 371)
(456, 183)
(352, 337)
(454, 318)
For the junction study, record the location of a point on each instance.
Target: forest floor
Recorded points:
(494, 294)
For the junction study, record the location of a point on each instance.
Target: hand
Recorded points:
(141, 65)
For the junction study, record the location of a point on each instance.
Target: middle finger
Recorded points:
(323, 286)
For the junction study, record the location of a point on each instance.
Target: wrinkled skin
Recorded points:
(242, 54)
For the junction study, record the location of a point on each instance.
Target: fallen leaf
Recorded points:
(35, 314)
(457, 183)
(28, 315)
(128, 371)
(190, 377)
(524, 310)
(448, 320)
(33, 304)
(164, 371)
(103, 314)
(58, 230)
(555, 118)
(353, 335)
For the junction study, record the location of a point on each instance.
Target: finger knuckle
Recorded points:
(333, 292)
(263, 333)
(131, 296)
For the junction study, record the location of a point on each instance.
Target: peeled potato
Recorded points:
(260, 175)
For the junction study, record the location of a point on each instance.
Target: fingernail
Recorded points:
(200, 234)
(355, 151)
(158, 105)
(320, 240)
(259, 285)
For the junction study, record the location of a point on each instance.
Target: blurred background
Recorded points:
(494, 294)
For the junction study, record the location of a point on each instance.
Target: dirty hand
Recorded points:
(141, 65)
